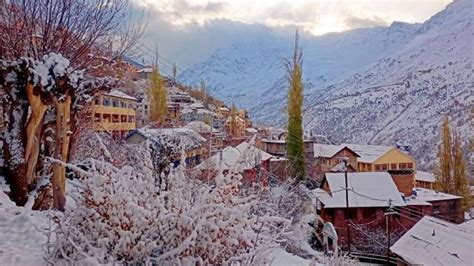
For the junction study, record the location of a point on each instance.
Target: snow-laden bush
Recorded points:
(121, 216)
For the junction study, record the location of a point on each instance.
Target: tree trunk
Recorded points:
(63, 114)
(33, 132)
(15, 107)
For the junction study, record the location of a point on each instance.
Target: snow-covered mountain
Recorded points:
(389, 85)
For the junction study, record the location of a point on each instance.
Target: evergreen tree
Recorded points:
(233, 120)
(157, 97)
(461, 187)
(175, 72)
(202, 89)
(444, 170)
(295, 145)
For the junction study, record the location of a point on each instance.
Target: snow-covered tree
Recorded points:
(49, 68)
(122, 216)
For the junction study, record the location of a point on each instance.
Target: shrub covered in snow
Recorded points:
(121, 216)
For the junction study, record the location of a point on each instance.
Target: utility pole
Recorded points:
(347, 208)
(387, 223)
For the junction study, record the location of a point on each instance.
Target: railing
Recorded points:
(372, 258)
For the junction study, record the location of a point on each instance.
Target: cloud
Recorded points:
(188, 31)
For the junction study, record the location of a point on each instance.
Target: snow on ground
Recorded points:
(279, 257)
(22, 234)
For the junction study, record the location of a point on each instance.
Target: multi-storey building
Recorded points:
(114, 112)
(376, 158)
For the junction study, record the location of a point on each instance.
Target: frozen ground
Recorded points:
(22, 234)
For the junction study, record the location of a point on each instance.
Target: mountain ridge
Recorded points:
(377, 99)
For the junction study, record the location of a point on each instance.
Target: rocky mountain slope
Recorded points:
(382, 85)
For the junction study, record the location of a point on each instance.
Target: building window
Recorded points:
(123, 119)
(115, 119)
(409, 165)
(106, 102)
(97, 117)
(97, 101)
(106, 118)
(115, 103)
(381, 167)
(393, 166)
(123, 104)
(452, 207)
(435, 209)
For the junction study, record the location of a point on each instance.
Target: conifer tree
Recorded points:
(157, 97)
(295, 145)
(202, 90)
(444, 169)
(233, 120)
(461, 187)
(175, 72)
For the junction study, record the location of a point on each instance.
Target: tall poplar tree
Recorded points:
(444, 170)
(461, 187)
(451, 171)
(295, 145)
(175, 72)
(157, 97)
(233, 120)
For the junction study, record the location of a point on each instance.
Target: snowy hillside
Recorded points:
(382, 85)
(252, 69)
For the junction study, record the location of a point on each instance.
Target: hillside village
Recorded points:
(92, 174)
(382, 181)
(379, 178)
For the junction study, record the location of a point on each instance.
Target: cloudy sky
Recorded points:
(187, 31)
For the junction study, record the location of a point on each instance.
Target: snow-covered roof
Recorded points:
(249, 156)
(145, 70)
(368, 153)
(244, 146)
(469, 225)
(223, 108)
(425, 194)
(327, 151)
(196, 105)
(204, 111)
(186, 137)
(424, 176)
(368, 189)
(251, 130)
(119, 94)
(200, 127)
(274, 140)
(433, 241)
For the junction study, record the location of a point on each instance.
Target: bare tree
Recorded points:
(54, 57)
(77, 29)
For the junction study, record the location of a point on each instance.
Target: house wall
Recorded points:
(119, 119)
(374, 218)
(394, 160)
(274, 148)
(424, 184)
(404, 181)
(324, 165)
(449, 210)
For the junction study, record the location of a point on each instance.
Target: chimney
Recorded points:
(404, 180)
